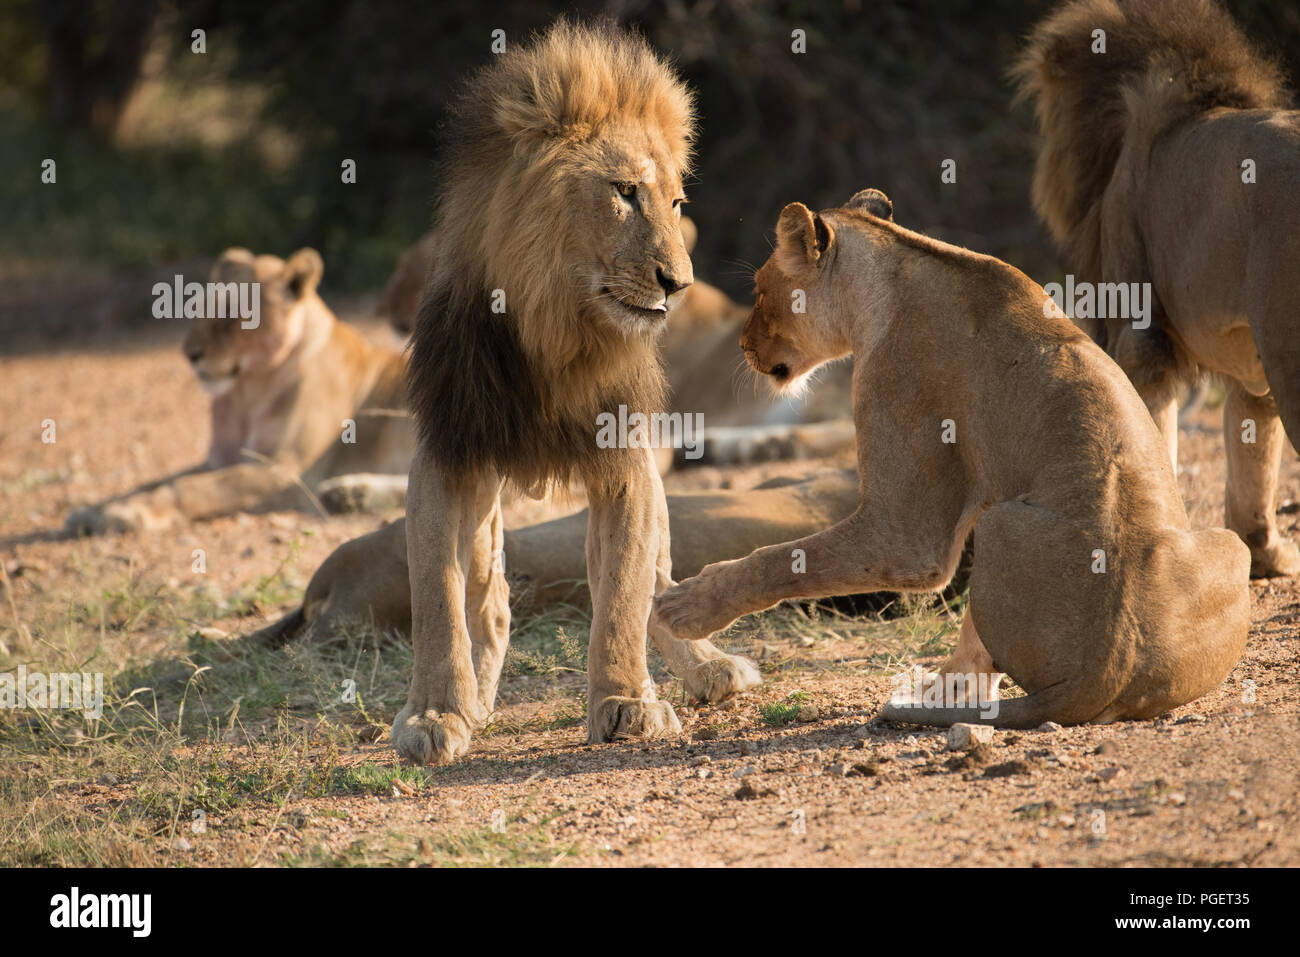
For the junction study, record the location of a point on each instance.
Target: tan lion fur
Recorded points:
(282, 391)
(1139, 178)
(560, 200)
(976, 409)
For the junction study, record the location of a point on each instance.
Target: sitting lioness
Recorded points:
(297, 398)
(977, 408)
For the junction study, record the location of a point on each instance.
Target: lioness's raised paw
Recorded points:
(617, 718)
(721, 678)
(691, 610)
(429, 737)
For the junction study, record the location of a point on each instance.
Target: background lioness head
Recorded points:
(221, 350)
(788, 334)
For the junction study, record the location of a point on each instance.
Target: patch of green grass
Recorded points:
(783, 712)
(511, 843)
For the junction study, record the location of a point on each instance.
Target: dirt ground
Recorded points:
(207, 756)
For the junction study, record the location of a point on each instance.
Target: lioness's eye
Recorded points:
(626, 190)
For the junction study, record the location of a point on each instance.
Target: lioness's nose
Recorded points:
(670, 283)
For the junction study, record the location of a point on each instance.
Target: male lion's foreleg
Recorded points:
(622, 557)
(488, 608)
(443, 518)
(707, 673)
(1253, 439)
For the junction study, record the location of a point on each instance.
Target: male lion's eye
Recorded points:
(626, 190)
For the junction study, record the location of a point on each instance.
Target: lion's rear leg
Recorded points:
(1253, 439)
(708, 673)
(972, 662)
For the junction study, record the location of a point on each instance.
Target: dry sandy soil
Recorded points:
(211, 755)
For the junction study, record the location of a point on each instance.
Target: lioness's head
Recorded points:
(790, 331)
(223, 348)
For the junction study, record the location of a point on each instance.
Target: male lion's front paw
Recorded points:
(721, 678)
(616, 718)
(429, 737)
(1280, 560)
(691, 610)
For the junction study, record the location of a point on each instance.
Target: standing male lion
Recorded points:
(1168, 158)
(558, 254)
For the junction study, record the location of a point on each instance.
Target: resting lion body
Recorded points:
(557, 252)
(1170, 159)
(298, 398)
(976, 411)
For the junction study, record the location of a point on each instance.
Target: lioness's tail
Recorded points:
(1027, 712)
(280, 632)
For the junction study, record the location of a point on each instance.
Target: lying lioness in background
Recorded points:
(298, 398)
(976, 408)
(366, 580)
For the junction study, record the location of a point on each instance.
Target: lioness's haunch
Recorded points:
(298, 398)
(557, 256)
(974, 408)
(1170, 160)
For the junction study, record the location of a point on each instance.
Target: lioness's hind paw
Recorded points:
(722, 678)
(1282, 560)
(615, 719)
(430, 737)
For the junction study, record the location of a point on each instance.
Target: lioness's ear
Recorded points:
(689, 234)
(302, 272)
(802, 238)
(872, 201)
(234, 264)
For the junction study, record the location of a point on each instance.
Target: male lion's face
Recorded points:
(638, 260)
(223, 348)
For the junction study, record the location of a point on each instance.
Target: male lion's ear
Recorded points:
(802, 238)
(302, 272)
(872, 201)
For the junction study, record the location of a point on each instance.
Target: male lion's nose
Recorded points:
(670, 283)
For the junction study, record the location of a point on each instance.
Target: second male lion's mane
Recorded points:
(1165, 61)
(518, 392)
(1169, 59)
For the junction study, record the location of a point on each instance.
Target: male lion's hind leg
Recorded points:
(622, 559)
(1253, 440)
(709, 674)
(443, 522)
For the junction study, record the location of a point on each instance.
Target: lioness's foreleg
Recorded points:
(1253, 439)
(193, 495)
(443, 521)
(623, 535)
(858, 554)
(707, 673)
